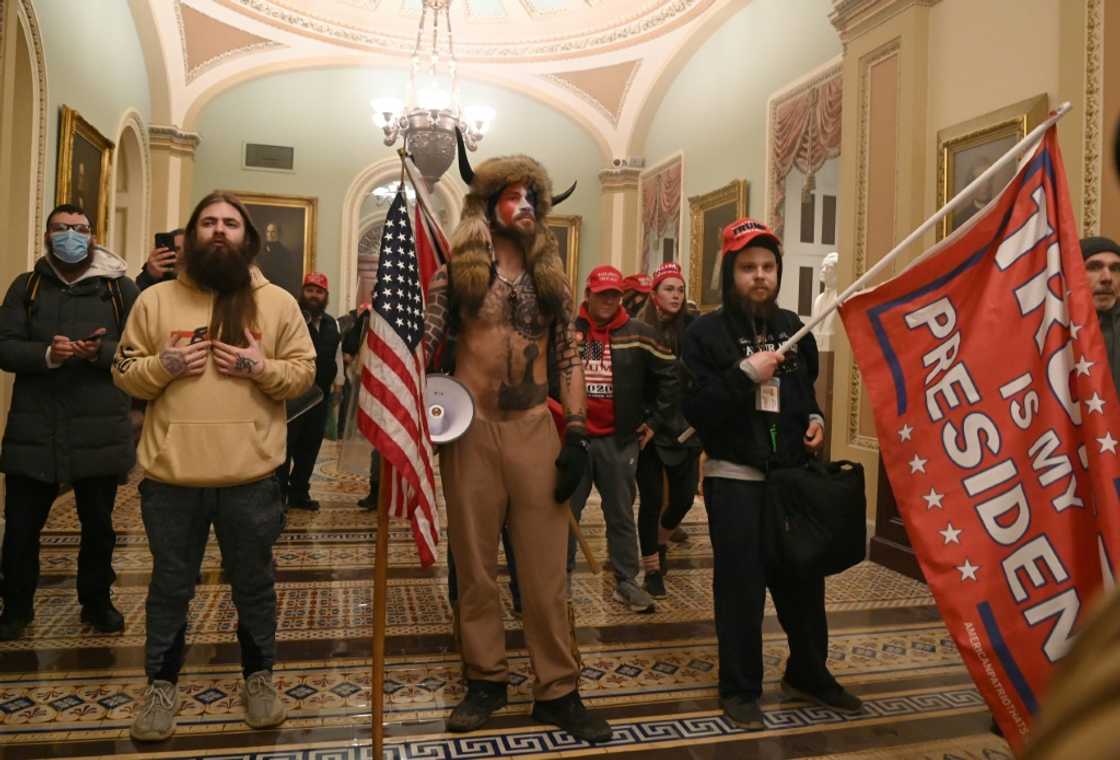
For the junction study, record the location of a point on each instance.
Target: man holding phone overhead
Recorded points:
(164, 261)
(68, 423)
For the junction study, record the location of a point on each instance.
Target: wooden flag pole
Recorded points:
(380, 581)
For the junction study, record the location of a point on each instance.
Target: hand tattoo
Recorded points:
(244, 364)
(172, 361)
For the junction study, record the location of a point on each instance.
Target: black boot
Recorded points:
(482, 699)
(103, 616)
(569, 713)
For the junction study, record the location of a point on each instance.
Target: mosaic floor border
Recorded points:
(629, 735)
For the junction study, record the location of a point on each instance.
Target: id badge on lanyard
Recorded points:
(767, 397)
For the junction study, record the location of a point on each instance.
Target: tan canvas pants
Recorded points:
(495, 467)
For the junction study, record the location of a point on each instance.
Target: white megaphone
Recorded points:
(450, 408)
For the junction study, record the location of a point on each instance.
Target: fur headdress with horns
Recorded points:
(471, 266)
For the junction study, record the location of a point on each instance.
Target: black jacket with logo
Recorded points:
(719, 398)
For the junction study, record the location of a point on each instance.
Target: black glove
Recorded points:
(571, 465)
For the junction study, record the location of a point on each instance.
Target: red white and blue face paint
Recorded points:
(515, 207)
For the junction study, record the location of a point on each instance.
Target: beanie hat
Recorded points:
(1091, 246)
(666, 271)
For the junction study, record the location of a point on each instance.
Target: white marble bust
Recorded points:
(823, 331)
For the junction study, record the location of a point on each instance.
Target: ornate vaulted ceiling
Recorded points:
(602, 62)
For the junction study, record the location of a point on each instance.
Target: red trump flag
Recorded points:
(998, 427)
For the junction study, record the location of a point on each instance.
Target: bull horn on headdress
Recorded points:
(558, 199)
(465, 169)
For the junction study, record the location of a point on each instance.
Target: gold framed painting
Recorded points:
(709, 214)
(287, 227)
(85, 161)
(965, 150)
(567, 232)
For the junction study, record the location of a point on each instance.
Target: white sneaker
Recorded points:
(263, 706)
(634, 597)
(155, 721)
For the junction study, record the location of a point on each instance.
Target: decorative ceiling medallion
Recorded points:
(603, 88)
(391, 29)
(208, 43)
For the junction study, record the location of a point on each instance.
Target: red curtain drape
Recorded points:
(805, 132)
(661, 206)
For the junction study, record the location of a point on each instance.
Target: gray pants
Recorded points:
(247, 519)
(613, 469)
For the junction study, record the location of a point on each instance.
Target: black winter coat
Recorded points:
(325, 339)
(719, 398)
(68, 423)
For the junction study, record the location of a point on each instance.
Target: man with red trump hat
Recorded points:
(755, 409)
(305, 432)
(635, 292)
(632, 392)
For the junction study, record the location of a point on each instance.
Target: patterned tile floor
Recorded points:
(66, 691)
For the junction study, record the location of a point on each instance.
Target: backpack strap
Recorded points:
(30, 290)
(117, 299)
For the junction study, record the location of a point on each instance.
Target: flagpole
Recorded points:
(421, 189)
(380, 575)
(958, 200)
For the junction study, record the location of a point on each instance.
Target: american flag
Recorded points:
(391, 399)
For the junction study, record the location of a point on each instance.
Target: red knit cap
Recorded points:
(665, 271)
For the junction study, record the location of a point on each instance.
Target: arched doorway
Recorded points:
(21, 172)
(128, 231)
(362, 210)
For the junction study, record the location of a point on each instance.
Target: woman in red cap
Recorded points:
(665, 459)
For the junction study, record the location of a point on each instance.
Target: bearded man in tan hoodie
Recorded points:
(215, 353)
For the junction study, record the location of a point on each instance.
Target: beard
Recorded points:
(222, 268)
(516, 235)
(313, 307)
(757, 313)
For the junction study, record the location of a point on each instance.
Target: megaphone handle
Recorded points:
(583, 545)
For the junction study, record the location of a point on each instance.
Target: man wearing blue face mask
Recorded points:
(68, 423)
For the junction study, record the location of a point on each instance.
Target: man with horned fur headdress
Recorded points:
(505, 299)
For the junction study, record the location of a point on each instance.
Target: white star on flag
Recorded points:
(1083, 366)
(933, 499)
(1095, 404)
(951, 534)
(917, 464)
(1074, 328)
(968, 570)
(904, 433)
(1108, 443)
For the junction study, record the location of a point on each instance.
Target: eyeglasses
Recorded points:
(83, 229)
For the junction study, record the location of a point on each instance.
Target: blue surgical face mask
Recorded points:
(70, 246)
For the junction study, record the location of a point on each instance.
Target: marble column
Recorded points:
(172, 155)
(619, 219)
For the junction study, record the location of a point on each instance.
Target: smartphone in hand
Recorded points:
(165, 240)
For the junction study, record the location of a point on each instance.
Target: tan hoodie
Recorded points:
(212, 429)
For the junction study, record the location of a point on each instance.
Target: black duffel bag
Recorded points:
(816, 518)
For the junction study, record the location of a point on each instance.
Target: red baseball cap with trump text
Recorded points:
(746, 232)
(638, 283)
(604, 277)
(316, 278)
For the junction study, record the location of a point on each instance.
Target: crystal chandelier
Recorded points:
(427, 119)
